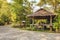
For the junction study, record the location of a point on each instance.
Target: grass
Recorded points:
(34, 29)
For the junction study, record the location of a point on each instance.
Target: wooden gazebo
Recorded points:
(43, 14)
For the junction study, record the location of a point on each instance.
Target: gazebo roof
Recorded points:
(42, 12)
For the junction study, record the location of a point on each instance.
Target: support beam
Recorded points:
(50, 20)
(32, 21)
(51, 23)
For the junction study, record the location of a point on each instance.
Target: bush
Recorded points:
(2, 22)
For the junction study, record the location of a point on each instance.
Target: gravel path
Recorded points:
(8, 33)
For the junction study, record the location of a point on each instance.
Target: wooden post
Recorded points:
(51, 23)
(33, 22)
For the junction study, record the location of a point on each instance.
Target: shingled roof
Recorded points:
(42, 12)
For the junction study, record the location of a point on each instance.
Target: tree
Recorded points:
(55, 6)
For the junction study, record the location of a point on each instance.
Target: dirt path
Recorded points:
(8, 33)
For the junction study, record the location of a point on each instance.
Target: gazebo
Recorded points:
(43, 14)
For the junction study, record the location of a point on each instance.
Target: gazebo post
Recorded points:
(33, 21)
(51, 23)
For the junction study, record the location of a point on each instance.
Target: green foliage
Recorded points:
(16, 12)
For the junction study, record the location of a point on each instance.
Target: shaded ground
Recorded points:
(8, 33)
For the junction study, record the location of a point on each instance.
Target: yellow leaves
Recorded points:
(41, 3)
(13, 17)
(58, 0)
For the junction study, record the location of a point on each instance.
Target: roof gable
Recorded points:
(42, 12)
